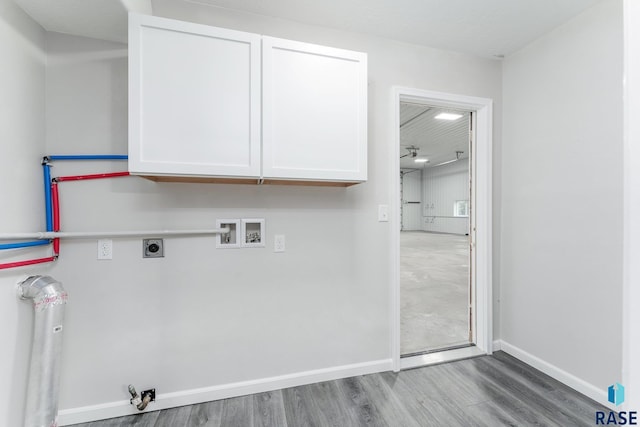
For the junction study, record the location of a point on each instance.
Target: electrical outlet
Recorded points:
(152, 248)
(278, 243)
(105, 249)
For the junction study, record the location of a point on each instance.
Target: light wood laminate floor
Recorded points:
(490, 391)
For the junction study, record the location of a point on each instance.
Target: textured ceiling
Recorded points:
(486, 28)
(435, 139)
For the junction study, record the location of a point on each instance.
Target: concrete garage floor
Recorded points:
(434, 272)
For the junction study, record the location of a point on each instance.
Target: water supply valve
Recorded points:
(141, 401)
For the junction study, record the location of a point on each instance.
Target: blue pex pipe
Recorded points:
(90, 157)
(24, 244)
(47, 196)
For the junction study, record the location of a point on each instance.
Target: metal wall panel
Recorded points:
(442, 187)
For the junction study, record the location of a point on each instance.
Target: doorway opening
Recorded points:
(442, 237)
(436, 308)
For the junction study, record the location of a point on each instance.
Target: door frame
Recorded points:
(481, 213)
(631, 251)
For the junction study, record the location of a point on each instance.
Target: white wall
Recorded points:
(22, 77)
(202, 317)
(442, 186)
(561, 264)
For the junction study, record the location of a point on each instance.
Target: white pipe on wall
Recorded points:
(49, 301)
(93, 234)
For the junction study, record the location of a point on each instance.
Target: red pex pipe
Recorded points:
(28, 262)
(94, 176)
(56, 216)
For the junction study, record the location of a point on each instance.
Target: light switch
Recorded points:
(383, 213)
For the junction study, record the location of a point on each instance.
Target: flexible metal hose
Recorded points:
(49, 301)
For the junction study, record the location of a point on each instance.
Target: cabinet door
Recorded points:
(194, 99)
(314, 112)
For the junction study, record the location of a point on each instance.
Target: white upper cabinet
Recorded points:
(206, 102)
(314, 112)
(194, 99)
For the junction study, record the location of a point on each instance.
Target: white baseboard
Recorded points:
(553, 371)
(207, 394)
(497, 345)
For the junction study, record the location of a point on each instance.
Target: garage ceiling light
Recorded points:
(448, 116)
